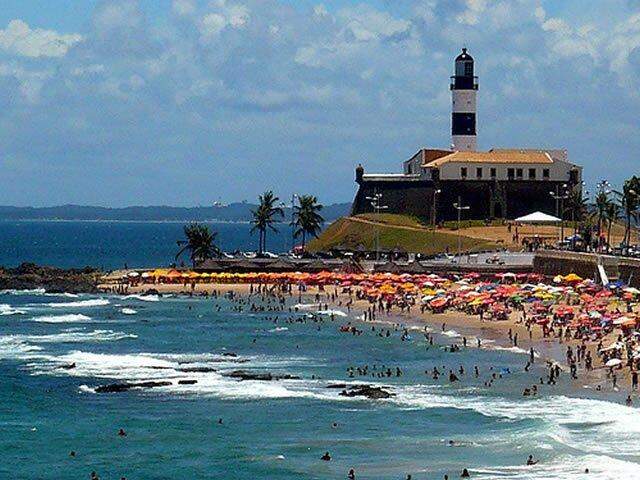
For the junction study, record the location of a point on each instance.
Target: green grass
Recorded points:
(453, 224)
(350, 234)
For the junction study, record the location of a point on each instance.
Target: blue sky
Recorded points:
(184, 102)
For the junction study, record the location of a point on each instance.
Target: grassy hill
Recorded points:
(400, 231)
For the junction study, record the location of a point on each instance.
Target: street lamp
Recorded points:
(559, 207)
(603, 189)
(459, 207)
(433, 216)
(293, 227)
(377, 207)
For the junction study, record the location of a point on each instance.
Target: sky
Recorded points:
(187, 102)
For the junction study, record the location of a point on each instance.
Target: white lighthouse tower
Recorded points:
(464, 89)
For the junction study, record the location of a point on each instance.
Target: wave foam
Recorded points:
(94, 302)
(9, 310)
(143, 298)
(68, 318)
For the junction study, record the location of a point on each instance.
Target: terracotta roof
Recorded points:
(503, 157)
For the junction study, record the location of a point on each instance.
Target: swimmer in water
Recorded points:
(326, 457)
(122, 433)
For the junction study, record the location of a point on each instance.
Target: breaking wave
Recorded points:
(68, 318)
(94, 302)
(9, 310)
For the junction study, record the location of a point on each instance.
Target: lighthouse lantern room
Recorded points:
(464, 88)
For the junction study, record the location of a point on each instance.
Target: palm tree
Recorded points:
(264, 217)
(200, 242)
(629, 199)
(306, 218)
(577, 205)
(612, 213)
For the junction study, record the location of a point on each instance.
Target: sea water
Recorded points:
(111, 245)
(276, 429)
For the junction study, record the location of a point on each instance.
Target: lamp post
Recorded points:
(635, 196)
(436, 192)
(559, 207)
(377, 207)
(293, 227)
(459, 207)
(603, 188)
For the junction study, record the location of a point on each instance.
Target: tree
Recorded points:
(306, 218)
(199, 241)
(612, 213)
(577, 205)
(264, 217)
(629, 199)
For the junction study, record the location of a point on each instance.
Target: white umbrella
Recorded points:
(614, 362)
(133, 274)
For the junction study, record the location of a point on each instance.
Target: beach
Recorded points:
(494, 334)
(265, 382)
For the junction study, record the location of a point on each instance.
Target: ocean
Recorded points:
(277, 429)
(110, 245)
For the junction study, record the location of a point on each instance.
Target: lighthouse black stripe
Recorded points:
(463, 124)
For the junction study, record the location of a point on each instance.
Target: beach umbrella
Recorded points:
(614, 362)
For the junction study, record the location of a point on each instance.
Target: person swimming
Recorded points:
(465, 473)
(122, 433)
(326, 457)
(531, 461)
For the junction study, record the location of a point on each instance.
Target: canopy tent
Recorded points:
(537, 217)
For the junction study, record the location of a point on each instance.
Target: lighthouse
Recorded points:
(464, 89)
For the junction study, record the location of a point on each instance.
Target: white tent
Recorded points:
(537, 217)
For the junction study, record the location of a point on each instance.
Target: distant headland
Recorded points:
(233, 212)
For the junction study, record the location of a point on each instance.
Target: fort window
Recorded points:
(545, 173)
(493, 173)
(532, 174)
(510, 173)
(479, 172)
(519, 173)
(463, 172)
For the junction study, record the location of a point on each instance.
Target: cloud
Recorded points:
(20, 39)
(225, 15)
(184, 7)
(367, 24)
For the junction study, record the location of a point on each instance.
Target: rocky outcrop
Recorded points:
(196, 369)
(266, 377)
(123, 387)
(367, 391)
(54, 280)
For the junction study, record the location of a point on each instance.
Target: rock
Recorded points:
(229, 354)
(366, 391)
(337, 385)
(123, 387)
(196, 369)
(244, 375)
(53, 280)
(187, 382)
